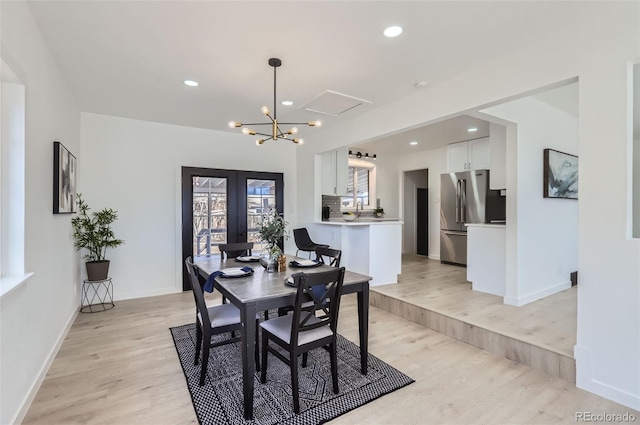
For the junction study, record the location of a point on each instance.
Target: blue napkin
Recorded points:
(318, 291)
(208, 285)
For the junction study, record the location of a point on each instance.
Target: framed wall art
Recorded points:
(65, 170)
(560, 175)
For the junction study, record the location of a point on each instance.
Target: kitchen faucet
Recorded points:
(358, 204)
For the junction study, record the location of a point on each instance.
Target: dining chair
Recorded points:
(213, 320)
(324, 255)
(234, 250)
(303, 241)
(310, 326)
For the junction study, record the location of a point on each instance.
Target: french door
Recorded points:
(224, 206)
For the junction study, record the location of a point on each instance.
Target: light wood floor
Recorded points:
(549, 323)
(121, 367)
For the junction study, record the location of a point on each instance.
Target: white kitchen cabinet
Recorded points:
(498, 136)
(469, 155)
(335, 170)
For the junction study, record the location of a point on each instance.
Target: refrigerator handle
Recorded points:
(458, 215)
(463, 207)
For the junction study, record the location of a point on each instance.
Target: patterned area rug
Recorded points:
(219, 401)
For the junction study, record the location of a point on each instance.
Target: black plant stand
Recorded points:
(97, 295)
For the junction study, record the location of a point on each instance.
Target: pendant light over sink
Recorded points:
(276, 133)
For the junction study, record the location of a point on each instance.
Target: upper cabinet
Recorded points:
(498, 177)
(335, 170)
(469, 155)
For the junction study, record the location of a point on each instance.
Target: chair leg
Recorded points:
(198, 343)
(334, 367)
(263, 373)
(304, 359)
(294, 383)
(266, 315)
(206, 344)
(257, 350)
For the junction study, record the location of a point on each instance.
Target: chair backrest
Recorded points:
(323, 310)
(302, 238)
(233, 250)
(327, 255)
(201, 306)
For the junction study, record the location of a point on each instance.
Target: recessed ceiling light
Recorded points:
(421, 84)
(191, 83)
(393, 31)
(413, 143)
(287, 102)
(472, 129)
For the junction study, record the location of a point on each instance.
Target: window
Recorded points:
(361, 184)
(357, 187)
(12, 181)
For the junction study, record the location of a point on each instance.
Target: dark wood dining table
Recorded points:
(264, 291)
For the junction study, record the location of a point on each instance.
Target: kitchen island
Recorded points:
(372, 247)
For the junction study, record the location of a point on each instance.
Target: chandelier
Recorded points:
(276, 133)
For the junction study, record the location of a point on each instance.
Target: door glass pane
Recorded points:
(209, 214)
(261, 197)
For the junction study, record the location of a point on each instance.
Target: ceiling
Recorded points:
(129, 58)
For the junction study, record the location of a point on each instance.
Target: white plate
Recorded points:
(306, 262)
(233, 271)
(248, 258)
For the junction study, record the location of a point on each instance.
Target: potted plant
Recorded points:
(272, 229)
(93, 232)
(378, 212)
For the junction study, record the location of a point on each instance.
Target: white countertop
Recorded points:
(361, 222)
(491, 225)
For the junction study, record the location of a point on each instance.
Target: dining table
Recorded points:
(261, 290)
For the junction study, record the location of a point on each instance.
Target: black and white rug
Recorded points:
(219, 401)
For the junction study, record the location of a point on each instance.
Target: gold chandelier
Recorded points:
(276, 133)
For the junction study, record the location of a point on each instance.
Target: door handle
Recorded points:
(464, 201)
(454, 233)
(458, 201)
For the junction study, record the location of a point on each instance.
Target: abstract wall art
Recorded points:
(560, 175)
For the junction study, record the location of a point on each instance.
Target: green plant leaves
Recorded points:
(93, 231)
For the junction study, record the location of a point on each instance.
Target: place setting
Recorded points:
(248, 259)
(230, 272)
(305, 263)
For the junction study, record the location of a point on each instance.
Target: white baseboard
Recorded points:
(586, 381)
(520, 301)
(434, 257)
(144, 294)
(42, 373)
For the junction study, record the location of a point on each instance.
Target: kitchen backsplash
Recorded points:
(333, 202)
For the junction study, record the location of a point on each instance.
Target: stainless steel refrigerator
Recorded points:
(465, 197)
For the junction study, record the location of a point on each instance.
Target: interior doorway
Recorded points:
(416, 215)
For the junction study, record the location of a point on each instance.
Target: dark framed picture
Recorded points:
(65, 170)
(560, 175)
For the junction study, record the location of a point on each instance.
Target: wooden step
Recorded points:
(554, 364)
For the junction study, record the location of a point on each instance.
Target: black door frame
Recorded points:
(236, 205)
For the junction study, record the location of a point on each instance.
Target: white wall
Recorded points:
(435, 160)
(35, 316)
(134, 167)
(596, 48)
(546, 229)
(387, 187)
